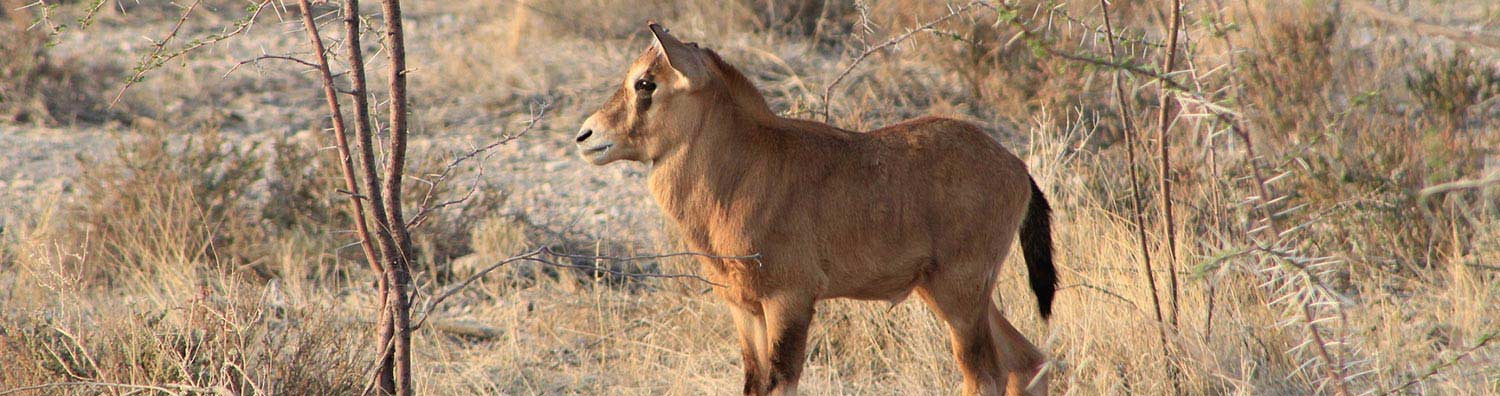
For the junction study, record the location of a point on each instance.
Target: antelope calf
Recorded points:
(928, 205)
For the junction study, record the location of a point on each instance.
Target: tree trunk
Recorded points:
(398, 266)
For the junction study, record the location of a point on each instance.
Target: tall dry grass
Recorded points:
(214, 264)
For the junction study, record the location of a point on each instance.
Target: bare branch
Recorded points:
(427, 207)
(1484, 339)
(1164, 119)
(1104, 291)
(156, 58)
(1132, 136)
(346, 162)
(545, 255)
(270, 57)
(952, 12)
(1468, 184)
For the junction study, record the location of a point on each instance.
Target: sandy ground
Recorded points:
(546, 181)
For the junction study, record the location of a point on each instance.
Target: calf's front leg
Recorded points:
(751, 325)
(787, 318)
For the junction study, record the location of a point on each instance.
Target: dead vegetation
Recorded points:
(205, 248)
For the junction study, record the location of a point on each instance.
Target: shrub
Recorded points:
(167, 203)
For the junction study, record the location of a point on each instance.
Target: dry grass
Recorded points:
(210, 254)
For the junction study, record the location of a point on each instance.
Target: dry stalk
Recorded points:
(546, 256)
(828, 91)
(1290, 274)
(427, 206)
(379, 263)
(1135, 183)
(1164, 123)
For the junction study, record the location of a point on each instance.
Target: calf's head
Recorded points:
(657, 108)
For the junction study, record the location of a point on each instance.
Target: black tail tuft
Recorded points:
(1036, 245)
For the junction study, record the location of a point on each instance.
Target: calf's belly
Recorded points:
(885, 280)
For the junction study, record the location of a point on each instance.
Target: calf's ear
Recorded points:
(686, 59)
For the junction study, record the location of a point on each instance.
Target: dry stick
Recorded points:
(385, 378)
(1103, 291)
(157, 47)
(156, 58)
(1435, 368)
(1333, 371)
(828, 91)
(398, 272)
(346, 162)
(1426, 193)
(1164, 119)
(427, 206)
(257, 60)
(536, 256)
(1135, 184)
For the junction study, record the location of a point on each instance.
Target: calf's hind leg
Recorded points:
(969, 331)
(1021, 361)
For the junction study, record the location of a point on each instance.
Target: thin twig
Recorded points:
(1106, 292)
(155, 59)
(1426, 193)
(270, 57)
(427, 207)
(1484, 339)
(346, 162)
(157, 47)
(543, 255)
(1164, 121)
(828, 91)
(1131, 136)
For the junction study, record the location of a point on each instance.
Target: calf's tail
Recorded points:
(1036, 245)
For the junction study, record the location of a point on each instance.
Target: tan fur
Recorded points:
(929, 204)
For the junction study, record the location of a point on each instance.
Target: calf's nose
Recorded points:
(582, 136)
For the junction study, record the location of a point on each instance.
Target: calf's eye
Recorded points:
(645, 85)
